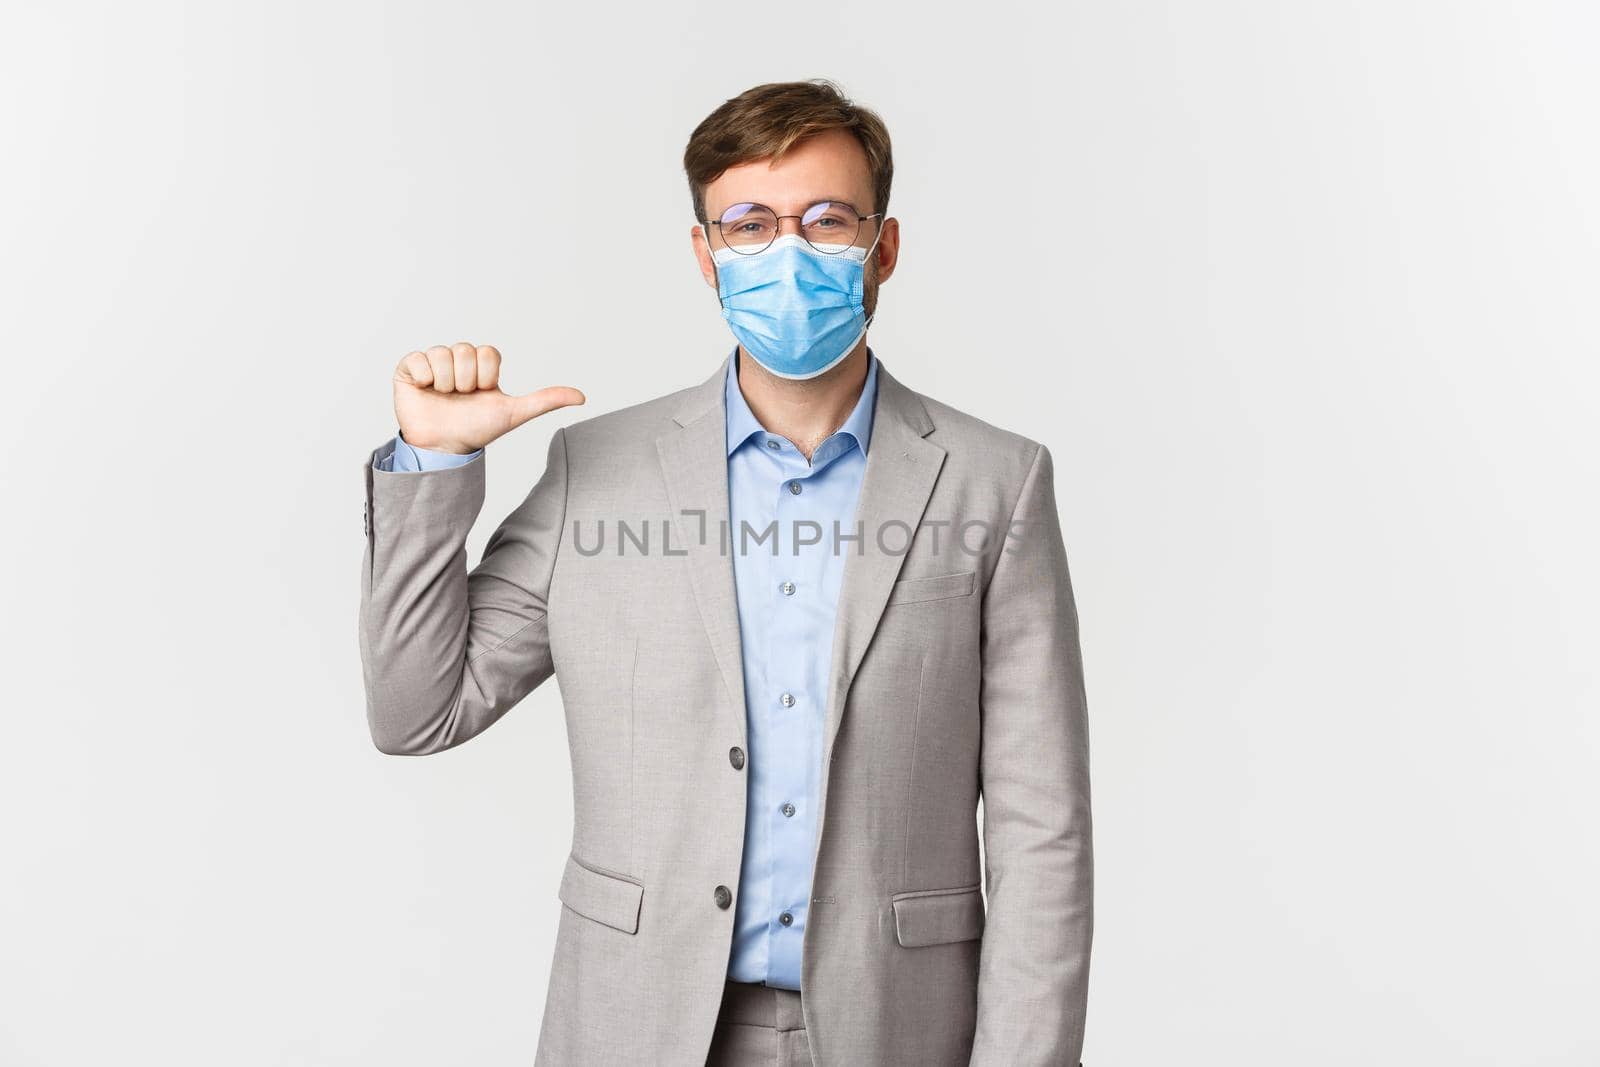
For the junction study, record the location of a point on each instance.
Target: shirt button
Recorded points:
(787, 588)
(787, 700)
(786, 919)
(773, 445)
(736, 757)
(788, 810)
(723, 897)
(794, 487)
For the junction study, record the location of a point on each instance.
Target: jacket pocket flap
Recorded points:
(938, 916)
(605, 898)
(937, 587)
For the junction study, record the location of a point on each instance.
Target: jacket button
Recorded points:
(724, 898)
(736, 757)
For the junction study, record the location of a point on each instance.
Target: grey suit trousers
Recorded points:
(760, 1026)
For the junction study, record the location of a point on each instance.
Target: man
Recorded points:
(801, 617)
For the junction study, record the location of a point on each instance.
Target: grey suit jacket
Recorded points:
(956, 670)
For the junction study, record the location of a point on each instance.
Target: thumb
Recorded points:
(540, 401)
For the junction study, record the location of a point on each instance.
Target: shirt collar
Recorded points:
(743, 424)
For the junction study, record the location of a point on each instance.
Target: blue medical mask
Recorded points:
(797, 311)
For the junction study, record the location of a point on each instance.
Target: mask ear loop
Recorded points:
(864, 260)
(716, 272)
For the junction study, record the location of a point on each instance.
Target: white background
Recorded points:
(1301, 296)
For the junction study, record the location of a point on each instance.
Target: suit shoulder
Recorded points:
(979, 443)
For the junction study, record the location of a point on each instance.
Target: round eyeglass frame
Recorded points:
(751, 250)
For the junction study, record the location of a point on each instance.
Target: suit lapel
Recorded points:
(694, 463)
(902, 466)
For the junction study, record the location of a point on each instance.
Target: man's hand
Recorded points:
(449, 399)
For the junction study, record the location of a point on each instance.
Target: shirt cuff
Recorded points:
(408, 457)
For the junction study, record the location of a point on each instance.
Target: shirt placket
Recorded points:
(790, 704)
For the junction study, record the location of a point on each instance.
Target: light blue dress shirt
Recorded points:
(786, 517)
(788, 591)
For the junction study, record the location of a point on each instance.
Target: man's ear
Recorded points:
(887, 253)
(702, 253)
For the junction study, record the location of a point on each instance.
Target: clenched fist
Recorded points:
(449, 399)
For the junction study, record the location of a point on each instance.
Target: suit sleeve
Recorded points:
(1033, 978)
(445, 652)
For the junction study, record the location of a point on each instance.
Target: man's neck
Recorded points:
(806, 412)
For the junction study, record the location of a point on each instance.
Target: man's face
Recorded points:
(829, 166)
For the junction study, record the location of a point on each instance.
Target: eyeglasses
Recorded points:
(829, 226)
